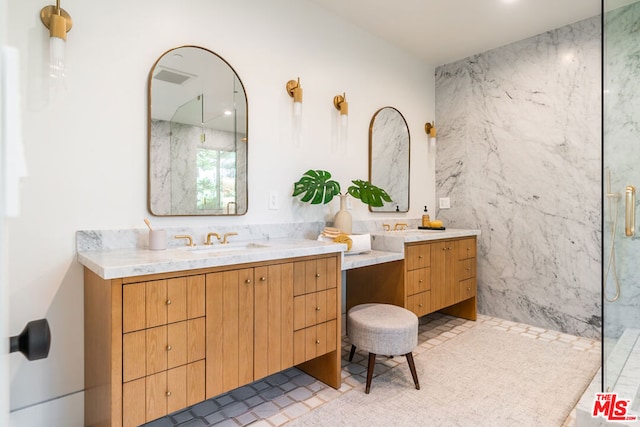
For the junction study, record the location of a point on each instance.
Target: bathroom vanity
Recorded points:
(203, 324)
(437, 273)
(167, 329)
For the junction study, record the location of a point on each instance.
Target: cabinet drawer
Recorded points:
(466, 248)
(159, 394)
(314, 275)
(466, 268)
(155, 303)
(468, 288)
(314, 308)
(418, 256)
(314, 341)
(420, 303)
(418, 280)
(164, 347)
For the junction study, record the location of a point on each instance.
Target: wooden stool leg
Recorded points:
(352, 352)
(412, 368)
(372, 363)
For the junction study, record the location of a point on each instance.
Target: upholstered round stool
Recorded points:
(383, 329)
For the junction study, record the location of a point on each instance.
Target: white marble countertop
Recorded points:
(393, 241)
(386, 247)
(118, 263)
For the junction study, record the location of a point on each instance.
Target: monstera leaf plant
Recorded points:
(316, 186)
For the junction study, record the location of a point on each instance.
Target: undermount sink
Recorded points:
(220, 248)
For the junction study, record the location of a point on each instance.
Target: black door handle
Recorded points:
(34, 341)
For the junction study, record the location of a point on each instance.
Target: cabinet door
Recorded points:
(418, 256)
(315, 275)
(418, 280)
(466, 248)
(467, 288)
(273, 319)
(229, 325)
(420, 303)
(443, 284)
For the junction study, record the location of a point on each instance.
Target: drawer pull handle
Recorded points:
(247, 281)
(168, 394)
(317, 308)
(168, 348)
(317, 341)
(317, 274)
(168, 302)
(262, 279)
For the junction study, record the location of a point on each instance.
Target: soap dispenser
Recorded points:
(426, 221)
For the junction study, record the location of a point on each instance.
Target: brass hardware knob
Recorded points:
(247, 281)
(419, 305)
(420, 281)
(317, 308)
(444, 249)
(168, 348)
(168, 394)
(168, 302)
(262, 279)
(317, 274)
(468, 289)
(468, 268)
(317, 341)
(420, 257)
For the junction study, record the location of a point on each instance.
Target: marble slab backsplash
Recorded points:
(98, 240)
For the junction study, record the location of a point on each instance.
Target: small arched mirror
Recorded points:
(197, 135)
(389, 147)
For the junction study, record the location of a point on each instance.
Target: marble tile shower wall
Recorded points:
(518, 152)
(621, 157)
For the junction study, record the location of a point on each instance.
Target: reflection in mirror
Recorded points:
(389, 146)
(197, 135)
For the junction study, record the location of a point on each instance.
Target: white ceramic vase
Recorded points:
(342, 220)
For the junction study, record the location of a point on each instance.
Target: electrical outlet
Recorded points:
(445, 203)
(273, 201)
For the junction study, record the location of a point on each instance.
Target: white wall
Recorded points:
(86, 148)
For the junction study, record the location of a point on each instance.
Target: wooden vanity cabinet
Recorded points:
(159, 343)
(249, 325)
(436, 275)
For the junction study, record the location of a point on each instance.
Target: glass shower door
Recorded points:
(621, 238)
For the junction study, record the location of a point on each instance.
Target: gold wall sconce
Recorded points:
(430, 129)
(341, 104)
(295, 91)
(59, 23)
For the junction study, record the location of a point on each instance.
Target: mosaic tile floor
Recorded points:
(280, 398)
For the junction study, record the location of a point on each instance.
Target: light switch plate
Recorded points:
(445, 203)
(273, 201)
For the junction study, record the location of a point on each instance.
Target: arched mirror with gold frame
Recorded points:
(197, 135)
(389, 155)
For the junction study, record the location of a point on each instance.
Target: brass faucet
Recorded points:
(400, 226)
(224, 239)
(185, 236)
(208, 242)
(386, 227)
